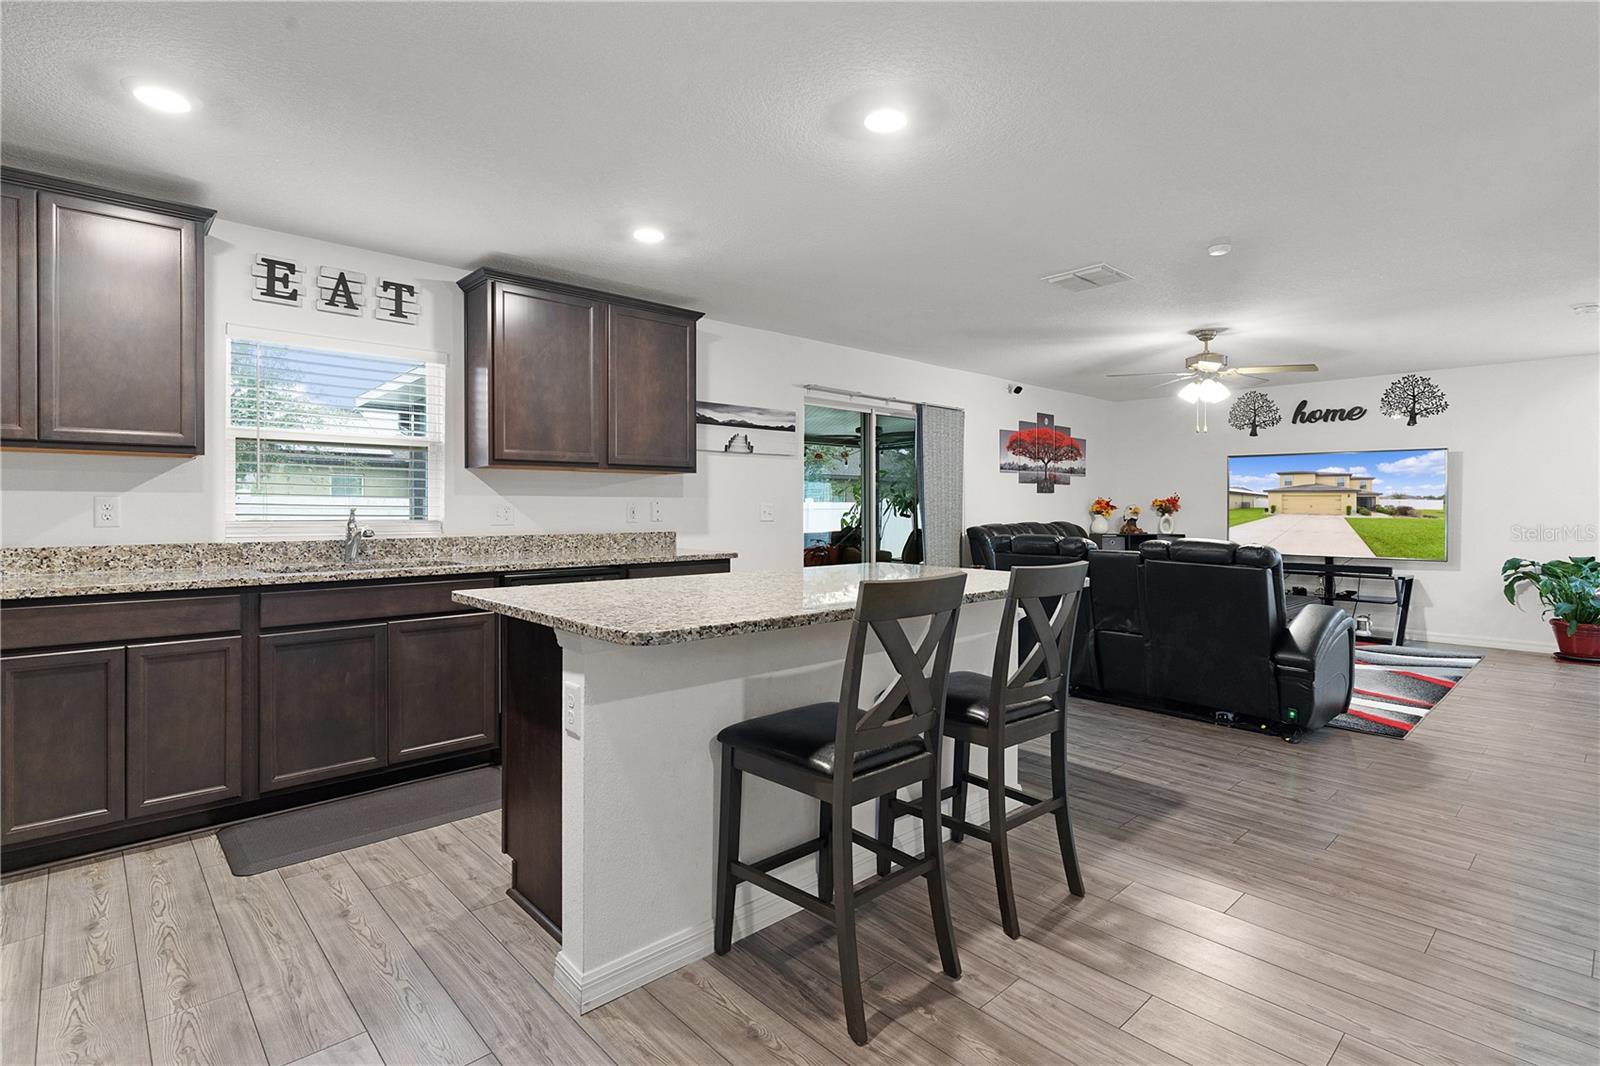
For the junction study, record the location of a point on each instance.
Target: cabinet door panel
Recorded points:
(324, 704)
(19, 314)
(441, 685)
(185, 701)
(61, 742)
(119, 314)
(548, 365)
(651, 387)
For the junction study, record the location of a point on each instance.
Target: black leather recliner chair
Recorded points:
(1196, 626)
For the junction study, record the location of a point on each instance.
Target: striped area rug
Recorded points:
(1396, 687)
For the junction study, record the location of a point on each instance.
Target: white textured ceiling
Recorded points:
(1406, 185)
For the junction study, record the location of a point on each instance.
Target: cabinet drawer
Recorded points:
(117, 622)
(362, 602)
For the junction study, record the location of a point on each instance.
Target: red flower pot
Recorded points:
(1584, 644)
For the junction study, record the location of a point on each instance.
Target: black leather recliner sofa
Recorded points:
(1202, 626)
(1004, 545)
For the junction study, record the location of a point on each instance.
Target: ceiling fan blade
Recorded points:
(1282, 368)
(1155, 374)
(1169, 384)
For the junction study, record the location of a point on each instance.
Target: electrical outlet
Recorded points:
(766, 512)
(572, 709)
(633, 511)
(107, 511)
(502, 515)
(655, 510)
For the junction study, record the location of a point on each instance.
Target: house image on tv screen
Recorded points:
(1316, 492)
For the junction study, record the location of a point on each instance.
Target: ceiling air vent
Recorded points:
(1083, 279)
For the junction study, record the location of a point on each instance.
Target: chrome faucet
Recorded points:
(353, 536)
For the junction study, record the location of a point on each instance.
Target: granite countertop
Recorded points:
(40, 573)
(676, 610)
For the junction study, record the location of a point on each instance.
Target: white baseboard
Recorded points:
(1475, 640)
(588, 990)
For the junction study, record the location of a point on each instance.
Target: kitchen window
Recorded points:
(316, 429)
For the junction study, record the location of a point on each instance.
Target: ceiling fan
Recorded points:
(1205, 373)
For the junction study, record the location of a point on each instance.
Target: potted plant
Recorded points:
(1166, 507)
(1102, 508)
(1570, 591)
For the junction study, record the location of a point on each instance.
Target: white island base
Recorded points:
(639, 770)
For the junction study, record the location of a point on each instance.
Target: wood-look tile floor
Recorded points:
(1350, 900)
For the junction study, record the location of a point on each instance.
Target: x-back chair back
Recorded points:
(911, 708)
(1048, 597)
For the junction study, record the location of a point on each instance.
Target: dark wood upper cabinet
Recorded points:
(324, 704)
(650, 387)
(61, 742)
(19, 313)
(185, 700)
(116, 349)
(441, 685)
(561, 376)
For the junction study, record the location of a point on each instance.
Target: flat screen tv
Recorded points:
(1348, 505)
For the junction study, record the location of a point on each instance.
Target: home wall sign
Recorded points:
(343, 292)
(1042, 455)
(277, 279)
(1412, 397)
(1302, 416)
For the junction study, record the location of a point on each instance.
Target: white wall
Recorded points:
(1524, 444)
(47, 499)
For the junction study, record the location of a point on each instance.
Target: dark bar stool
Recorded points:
(843, 755)
(1033, 700)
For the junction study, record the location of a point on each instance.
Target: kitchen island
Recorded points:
(613, 695)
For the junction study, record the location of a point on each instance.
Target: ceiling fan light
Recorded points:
(1190, 393)
(1212, 391)
(1209, 365)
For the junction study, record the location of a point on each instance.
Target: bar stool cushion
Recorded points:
(967, 698)
(805, 735)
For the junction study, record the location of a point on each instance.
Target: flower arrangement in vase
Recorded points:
(1130, 520)
(1102, 509)
(1166, 507)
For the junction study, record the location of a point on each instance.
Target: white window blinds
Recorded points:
(315, 432)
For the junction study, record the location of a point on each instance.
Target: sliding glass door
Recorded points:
(860, 485)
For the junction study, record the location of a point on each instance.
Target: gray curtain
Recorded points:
(940, 462)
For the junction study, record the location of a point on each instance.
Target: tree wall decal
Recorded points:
(1254, 410)
(1412, 397)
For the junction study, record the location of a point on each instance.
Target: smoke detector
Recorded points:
(1097, 276)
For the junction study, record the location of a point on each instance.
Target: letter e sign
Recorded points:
(397, 302)
(276, 280)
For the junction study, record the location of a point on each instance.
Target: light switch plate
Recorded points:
(633, 511)
(572, 709)
(766, 512)
(655, 510)
(107, 511)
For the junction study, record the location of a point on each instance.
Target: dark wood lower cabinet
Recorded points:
(324, 704)
(441, 685)
(185, 724)
(61, 742)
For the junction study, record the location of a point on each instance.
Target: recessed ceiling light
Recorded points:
(1220, 246)
(648, 235)
(885, 120)
(160, 98)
